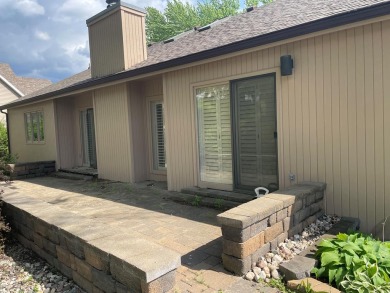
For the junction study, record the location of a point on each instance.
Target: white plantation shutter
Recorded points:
(158, 136)
(214, 133)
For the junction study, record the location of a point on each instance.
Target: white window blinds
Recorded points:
(158, 136)
(214, 134)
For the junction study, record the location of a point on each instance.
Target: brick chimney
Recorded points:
(117, 39)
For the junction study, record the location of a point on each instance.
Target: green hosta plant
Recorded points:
(362, 284)
(354, 259)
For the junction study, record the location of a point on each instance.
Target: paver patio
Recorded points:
(143, 210)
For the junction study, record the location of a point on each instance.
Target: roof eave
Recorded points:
(361, 14)
(11, 86)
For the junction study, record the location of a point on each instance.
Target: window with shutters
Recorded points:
(158, 135)
(214, 134)
(34, 127)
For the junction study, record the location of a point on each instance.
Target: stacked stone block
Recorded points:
(256, 227)
(30, 170)
(98, 259)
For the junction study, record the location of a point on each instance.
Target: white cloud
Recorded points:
(55, 45)
(28, 7)
(44, 36)
(71, 10)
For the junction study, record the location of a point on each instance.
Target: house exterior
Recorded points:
(215, 107)
(13, 87)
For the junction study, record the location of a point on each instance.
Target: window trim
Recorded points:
(40, 115)
(149, 101)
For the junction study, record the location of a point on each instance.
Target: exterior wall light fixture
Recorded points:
(286, 65)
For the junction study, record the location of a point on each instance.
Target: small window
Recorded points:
(158, 136)
(34, 124)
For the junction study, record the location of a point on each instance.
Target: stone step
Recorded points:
(81, 170)
(218, 194)
(196, 200)
(72, 176)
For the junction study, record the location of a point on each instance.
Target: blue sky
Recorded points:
(49, 38)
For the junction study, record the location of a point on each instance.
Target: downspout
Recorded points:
(7, 122)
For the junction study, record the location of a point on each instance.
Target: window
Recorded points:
(158, 136)
(34, 124)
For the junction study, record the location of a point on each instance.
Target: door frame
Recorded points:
(83, 114)
(233, 117)
(279, 119)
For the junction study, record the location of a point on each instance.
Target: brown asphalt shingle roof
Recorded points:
(26, 85)
(264, 20)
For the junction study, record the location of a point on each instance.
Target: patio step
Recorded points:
(218, 194)
(72, 176)
(203, 201)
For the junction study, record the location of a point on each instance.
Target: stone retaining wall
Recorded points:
(97, 257)
(256, 227)
(30, 170)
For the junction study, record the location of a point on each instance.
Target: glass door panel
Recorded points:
(214, 135)
(255, 133)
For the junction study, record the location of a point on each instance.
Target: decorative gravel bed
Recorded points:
(267, 267)
(22, 271)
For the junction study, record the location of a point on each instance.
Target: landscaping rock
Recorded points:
(250, 276)
(275, 274)
(279, 260)
(256, 270)
(21, 270)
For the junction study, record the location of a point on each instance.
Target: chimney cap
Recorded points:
(110, 3)
(114, 6)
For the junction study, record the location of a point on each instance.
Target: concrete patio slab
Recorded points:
(140, 212)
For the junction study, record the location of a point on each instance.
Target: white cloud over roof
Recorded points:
(49, 38)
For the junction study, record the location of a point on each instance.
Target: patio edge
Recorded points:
(96, 258)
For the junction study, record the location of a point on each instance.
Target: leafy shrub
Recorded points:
(350, 260)
(5, 157)
(362, 284)
(3, 141)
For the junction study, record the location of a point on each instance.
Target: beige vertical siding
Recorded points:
(33, 152)
(139, 132)
(117, 41)
(106, 46)
(6, 96)
(134, 38)
(65, 133)
(68, 125)
(112, 127)
(152, 87)
(332, 116)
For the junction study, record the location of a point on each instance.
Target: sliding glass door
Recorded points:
(237, 134)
